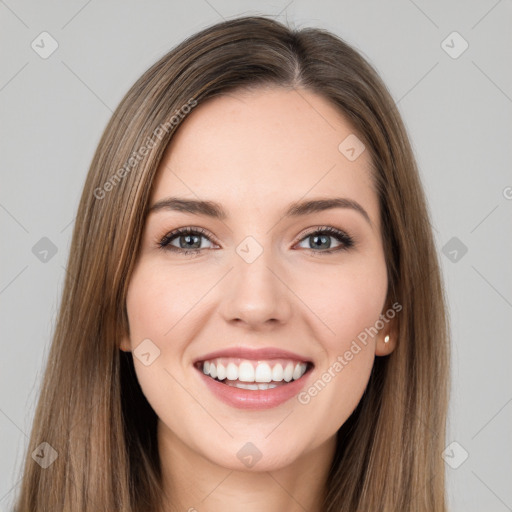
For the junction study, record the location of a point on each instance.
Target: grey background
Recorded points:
(458, 113)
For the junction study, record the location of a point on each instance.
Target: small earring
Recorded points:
(386, 338)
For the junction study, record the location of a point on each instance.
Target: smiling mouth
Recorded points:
(254, 375)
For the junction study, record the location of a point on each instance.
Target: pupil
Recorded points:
(188, 238)
(316, 237)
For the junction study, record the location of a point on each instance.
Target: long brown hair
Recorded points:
(91, 410)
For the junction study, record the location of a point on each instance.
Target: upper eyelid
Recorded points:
(189, 229)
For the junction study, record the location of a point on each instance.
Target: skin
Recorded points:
(255, 152)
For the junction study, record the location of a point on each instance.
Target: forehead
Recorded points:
(264, 147)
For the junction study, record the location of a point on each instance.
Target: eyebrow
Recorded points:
(296, 209)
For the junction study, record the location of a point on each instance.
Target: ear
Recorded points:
(386, 342)
(125, 344)
(387, 339)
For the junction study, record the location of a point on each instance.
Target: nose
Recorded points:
(256, 294)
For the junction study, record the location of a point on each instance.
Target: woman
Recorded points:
(253, 312)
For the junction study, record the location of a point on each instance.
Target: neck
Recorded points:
(193, 483)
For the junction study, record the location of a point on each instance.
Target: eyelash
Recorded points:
(346, 241)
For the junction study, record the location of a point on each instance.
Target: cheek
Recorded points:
(358, 306)
(157, 300)
(348, 300)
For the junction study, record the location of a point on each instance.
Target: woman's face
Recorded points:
(269, 288)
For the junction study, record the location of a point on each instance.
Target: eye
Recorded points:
(320, 239)
(188, 239)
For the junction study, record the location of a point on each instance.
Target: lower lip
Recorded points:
(254, 399)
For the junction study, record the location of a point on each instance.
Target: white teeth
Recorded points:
(250, 372)
(297, 372)
(267, 386)
(278, 372)
(263, 373)
(221, 371)
(254, 387)
(232, 371)
(245, 372)
(288, 372)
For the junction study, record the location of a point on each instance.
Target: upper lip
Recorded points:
(255, 354)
